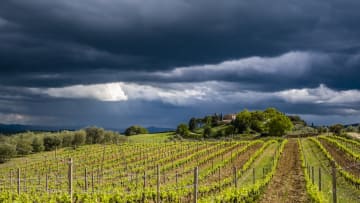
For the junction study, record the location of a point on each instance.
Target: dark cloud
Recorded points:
(161, 44)
(164, 35)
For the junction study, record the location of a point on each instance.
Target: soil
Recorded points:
(288, 183)
(345, 161)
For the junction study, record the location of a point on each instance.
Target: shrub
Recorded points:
(182, 130)
(135, 130)
(94, 135)
(51, 142)
(6, 152)
(207, 132)
(336, 129)
(221, 133)
(23, 147)
(79, 138)
(37, 145)
(67, 139)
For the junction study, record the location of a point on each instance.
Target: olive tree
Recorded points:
(23, 147)
(6, 152)
(37, 145)
(79, 138)
(51, 142)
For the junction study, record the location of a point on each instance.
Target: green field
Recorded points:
(155, 138)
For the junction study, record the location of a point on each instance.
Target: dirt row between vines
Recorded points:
(345, 161)
(288, 183)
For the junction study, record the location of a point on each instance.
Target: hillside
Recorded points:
(245, 123)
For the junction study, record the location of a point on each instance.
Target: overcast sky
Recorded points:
(114, 63)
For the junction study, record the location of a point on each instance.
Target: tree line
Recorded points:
(30, 142)
(268, 122)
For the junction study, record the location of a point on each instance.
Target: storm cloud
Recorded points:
(121, 62)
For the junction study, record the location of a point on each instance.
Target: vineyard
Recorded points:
(315, 169)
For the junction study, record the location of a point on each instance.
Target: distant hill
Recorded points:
(153, 129)
(354, 124)
(17, 128)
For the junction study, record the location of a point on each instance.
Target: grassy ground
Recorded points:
(265, 160)
(156, 137)
(345, 192)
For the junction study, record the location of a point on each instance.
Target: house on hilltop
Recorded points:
(228, 118)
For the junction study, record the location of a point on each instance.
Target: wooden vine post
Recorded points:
(219, 179)
(18, 181)
(263, 173)
(85, 180)
(235, 177)
(70, 178)
(312, 175)
(333, 166)
(196, 173)
(176, 179)
(158, 184)
(10, 179)
(253, 175)
(92, 181)
(319, 179)
(47, 182)
(144, 188)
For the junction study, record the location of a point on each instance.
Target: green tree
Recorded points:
(183, 130)
(117, 138)
(279, 124)
(296, 120)
(37, 145)
(207, 131)
(7, 151)
(336, 129)
(199, 122)
(257, 121)
(221, 133)
(94, 135)
(135, 130)
(108, 137)
(51, 142)
(215, 120)
(322, 129)
(207, 120)
(23, 147)
(243, 121)
(192, 124)
(79, 138)
(67, 139)
(230, 130)
(271, 111)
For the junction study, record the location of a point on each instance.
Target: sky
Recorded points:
(116, 63)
